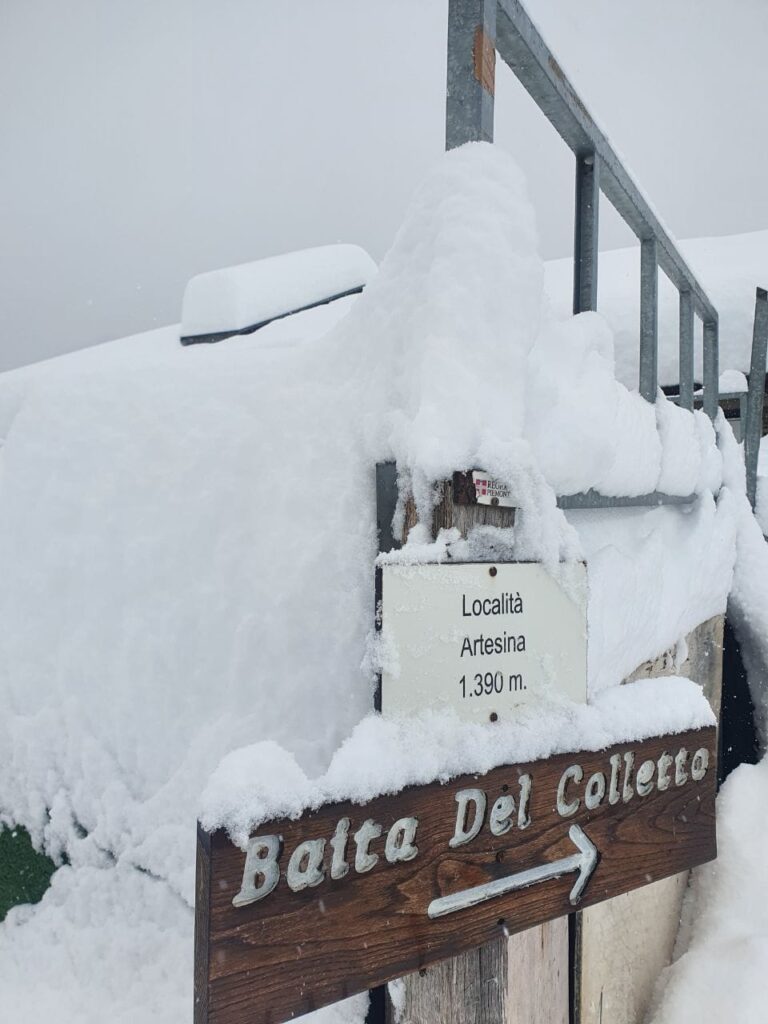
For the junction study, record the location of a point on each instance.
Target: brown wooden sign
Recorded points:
(351, 896)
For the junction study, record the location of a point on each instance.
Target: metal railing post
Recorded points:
(585, 247)
(686, 350)
(711, 369)
(752, 428)
(649, 318)
(471, 72)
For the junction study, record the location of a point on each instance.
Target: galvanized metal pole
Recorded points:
(471, 72)
(649, 318)
(753, 428)
(585, 246)
(686, 350)
(711, 369)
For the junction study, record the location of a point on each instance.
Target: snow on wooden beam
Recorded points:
(241, 299)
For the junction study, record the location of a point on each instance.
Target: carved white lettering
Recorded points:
(681, 775)
(305, 868)
(595, 791)
(364, 859)
(260, 860)
(339, 839)
(500, 821)
(626, 790)
(462, 833)
(613, 793)
(664, 764)
(400, 841)
(644, 778)
(699, 764)
(523, 817)
(567, 808)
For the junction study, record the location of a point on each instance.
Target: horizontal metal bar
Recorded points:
(592, 499)
(521, 47)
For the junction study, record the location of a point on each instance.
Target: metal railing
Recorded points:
(477, 31)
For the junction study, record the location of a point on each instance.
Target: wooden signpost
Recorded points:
(351, 896)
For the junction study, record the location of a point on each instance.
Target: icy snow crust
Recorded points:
(187, 539)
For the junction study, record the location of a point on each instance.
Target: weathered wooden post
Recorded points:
(427, 880)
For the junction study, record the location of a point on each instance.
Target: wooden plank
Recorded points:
(469, 988)
(538, 975)
(295, 951)
(625, 944)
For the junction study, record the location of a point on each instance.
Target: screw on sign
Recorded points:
(350, 896)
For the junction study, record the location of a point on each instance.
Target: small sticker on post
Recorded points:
(480, 488)
(490, 491)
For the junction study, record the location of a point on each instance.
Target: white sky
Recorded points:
(145, 141)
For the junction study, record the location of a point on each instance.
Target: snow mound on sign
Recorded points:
(462, 365)
(440, 338)
(384, 756)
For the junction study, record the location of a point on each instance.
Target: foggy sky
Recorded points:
(145, 141)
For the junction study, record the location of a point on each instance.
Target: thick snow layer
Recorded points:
(187, 539)
(106, 943)
(653, 573)
(748, 600)
(722, 955)
(386, 755)
(109, 943)
(252, 293)
(761, 504)
(729, 269)
(721, 975)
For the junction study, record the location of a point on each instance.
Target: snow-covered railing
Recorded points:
(477, 30)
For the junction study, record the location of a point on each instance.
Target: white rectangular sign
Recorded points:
(481, 638)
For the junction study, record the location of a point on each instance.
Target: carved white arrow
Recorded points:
(584, 862)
